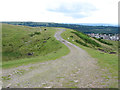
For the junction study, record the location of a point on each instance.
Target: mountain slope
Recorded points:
(22, 43)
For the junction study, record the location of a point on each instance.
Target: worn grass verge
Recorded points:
(105, 60)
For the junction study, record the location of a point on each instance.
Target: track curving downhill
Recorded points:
(75, 70)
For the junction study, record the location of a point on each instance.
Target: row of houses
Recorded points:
(114, 37)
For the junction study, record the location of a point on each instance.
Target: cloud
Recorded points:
(60, 11)
(74, 10)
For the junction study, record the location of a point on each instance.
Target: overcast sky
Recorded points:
(60, 11)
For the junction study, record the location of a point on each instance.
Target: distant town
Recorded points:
(114, 37)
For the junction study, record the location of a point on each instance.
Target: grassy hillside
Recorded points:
(106, 46)
(96, 49)
(22, 44)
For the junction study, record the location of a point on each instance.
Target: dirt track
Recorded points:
(77, 69)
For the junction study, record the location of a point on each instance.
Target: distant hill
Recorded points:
(82, 28)
(97, 24)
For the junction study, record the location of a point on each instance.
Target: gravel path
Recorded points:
(77, 69)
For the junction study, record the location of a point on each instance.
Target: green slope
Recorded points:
(91, 45)
(22, 45)
(106, 46)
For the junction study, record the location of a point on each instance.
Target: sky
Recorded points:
(60, 11)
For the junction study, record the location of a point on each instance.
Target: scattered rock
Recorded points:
(30, 54)
(112, 53)
(48, 87)
(9, 85)
(75, 81)
(102, 50)
(44, 41)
